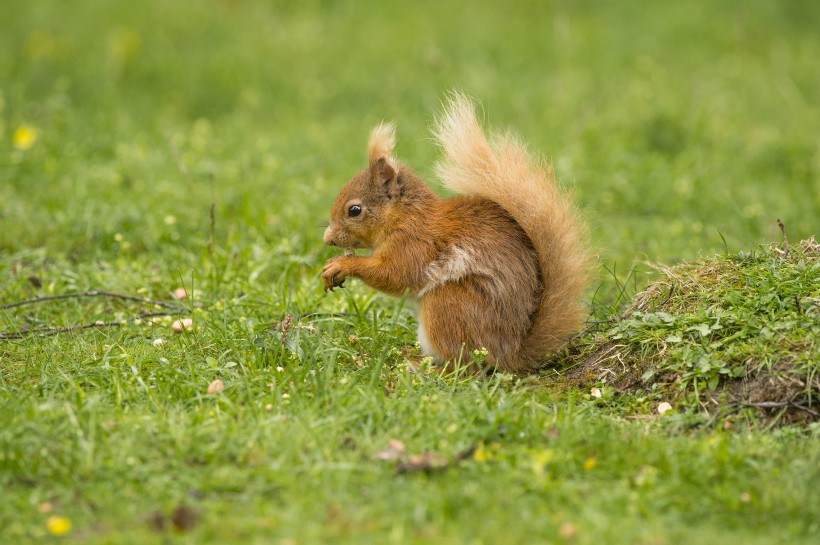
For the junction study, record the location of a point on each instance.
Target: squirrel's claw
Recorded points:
(333, 283)
(332, 276)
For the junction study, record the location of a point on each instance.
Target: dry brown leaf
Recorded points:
(184, 518)
(426, 461)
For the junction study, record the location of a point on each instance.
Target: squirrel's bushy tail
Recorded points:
(503, 171)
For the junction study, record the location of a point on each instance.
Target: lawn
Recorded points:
(152, 146)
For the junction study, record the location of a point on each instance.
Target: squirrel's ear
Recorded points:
(383, 168)
(385, 174)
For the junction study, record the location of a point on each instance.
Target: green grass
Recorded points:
(683, 130)
(725, 334)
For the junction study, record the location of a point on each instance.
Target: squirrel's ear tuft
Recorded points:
(383, 168)
(382, 142)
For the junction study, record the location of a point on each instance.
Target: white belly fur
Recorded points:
(426, 348)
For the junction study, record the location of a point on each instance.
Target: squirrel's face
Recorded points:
(358, 216)
(357, 213)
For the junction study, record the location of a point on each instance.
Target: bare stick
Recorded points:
(93, 293)
(782, 404)
(49, 331)
(785, 238)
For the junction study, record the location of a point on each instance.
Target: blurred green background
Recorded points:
(678, 125)
(683, 128)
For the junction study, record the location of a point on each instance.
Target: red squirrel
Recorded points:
(501, 267)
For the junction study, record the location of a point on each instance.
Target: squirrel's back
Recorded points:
(502, 171)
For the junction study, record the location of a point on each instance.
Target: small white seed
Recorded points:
(184, 323)
(216, 387)
(664, 408)
(180, 294)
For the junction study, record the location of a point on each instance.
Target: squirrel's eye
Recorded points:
(354, 210)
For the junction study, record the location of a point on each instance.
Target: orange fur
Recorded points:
(502, 267)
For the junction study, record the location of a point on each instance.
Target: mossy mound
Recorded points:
(722, 335)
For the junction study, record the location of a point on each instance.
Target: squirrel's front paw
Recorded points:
(333, 276)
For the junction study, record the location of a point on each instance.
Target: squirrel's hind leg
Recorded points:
(446, 364)
(457, 318)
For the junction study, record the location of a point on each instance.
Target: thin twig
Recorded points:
(93, 293)
(785, 238)
(735, 408)
(325, 315)
(49, 331)
(669, 295)
(782, 404)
